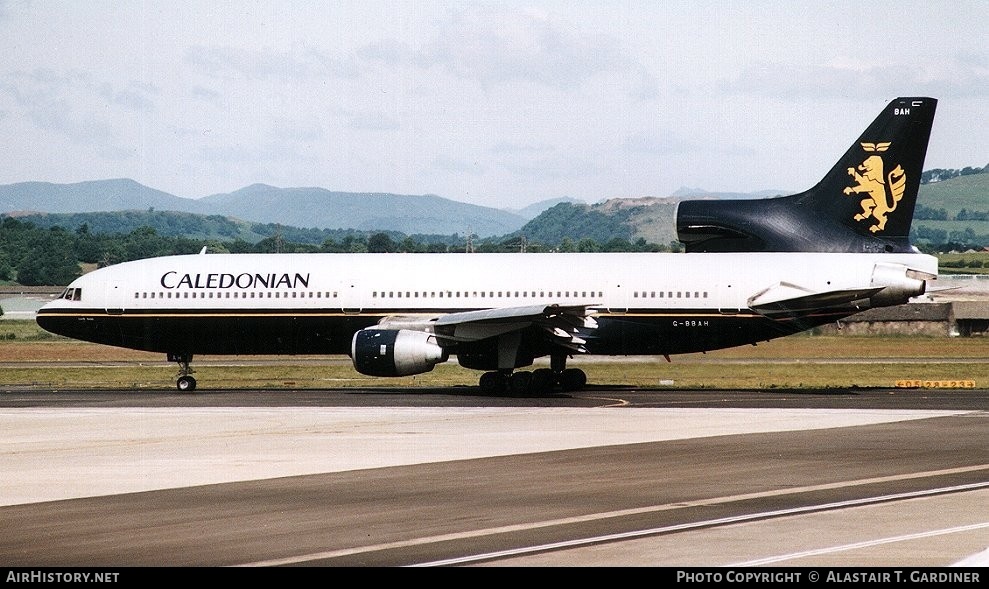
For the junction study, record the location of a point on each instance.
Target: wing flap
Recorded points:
(559, 324)
(570, 340)
(496, 315)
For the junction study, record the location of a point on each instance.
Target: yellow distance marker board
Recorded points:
(935, 384)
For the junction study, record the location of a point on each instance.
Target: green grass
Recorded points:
(761, 375)
(964, 263)
(40, 360)
(800, 361)
(24, 331)
(964, 192)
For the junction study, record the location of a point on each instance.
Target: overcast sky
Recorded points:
(493, 103)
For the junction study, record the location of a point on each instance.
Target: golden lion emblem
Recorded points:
(872, 182)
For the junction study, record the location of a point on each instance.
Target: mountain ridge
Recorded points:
(261, 203)
(650, 218)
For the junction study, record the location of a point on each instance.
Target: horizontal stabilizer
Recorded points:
(790, 298)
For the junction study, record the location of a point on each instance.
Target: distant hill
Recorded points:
(963, 192)
(630, 219)
(317, 207)
(653, 219)
(259, 203)
(84, 197)
(686, 192)
(165, 223)
(208, 227)
(965, 202)
(534, 210)
(950, 210)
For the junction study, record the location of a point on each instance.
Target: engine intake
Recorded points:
(390, 352)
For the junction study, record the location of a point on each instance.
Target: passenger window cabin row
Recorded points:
(236, 295)
(456, 294)
(669, 294)
(75, 294)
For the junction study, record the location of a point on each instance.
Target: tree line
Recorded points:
(54, 256)
(941, 174)
(940, 214)
(40, 251)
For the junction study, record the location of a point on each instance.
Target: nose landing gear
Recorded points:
(184, 381)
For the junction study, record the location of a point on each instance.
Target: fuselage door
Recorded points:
(618, 300)
(114, 298)
(351, 301)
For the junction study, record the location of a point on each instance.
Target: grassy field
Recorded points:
(964, 263)
(31, 358)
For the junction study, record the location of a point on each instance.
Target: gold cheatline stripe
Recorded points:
(135, 315)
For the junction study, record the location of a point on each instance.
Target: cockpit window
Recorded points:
(72, 294)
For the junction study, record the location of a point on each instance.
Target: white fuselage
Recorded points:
(415, 283)
(640, 303)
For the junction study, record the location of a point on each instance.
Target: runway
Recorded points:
(448, 477)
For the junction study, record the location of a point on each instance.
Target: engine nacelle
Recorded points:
(390, 352)
(901, 284)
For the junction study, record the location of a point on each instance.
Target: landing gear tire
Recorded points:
(573, 379)
(492, 383)
(186, 384)
(542, 381)
(570, 379)
(184, 381)
(518, 384)
(537, 382)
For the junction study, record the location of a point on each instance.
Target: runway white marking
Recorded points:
(652, 531)
(51, 454)
(860, 545)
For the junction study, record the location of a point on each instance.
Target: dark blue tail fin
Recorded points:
(864, 204)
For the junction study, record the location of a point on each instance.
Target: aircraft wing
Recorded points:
(785, 297)
(558, 322)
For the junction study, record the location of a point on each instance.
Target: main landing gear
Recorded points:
(537, 382)
(184, 381)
